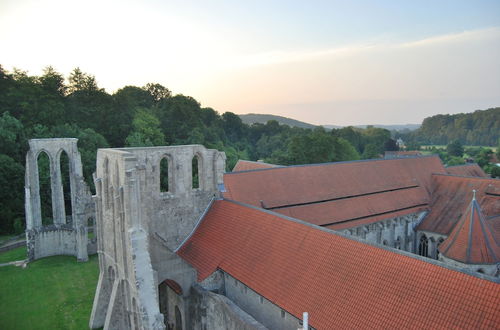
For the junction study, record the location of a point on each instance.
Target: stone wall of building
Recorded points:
(209, 310)
(491, 269)
(263, 310)
(68, 233)
(427, 243)
(397, 232)
(138, 228)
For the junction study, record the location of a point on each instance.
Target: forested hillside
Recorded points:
(51, 106)
(482, 127)
(253, 118)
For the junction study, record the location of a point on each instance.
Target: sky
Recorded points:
(322, 62)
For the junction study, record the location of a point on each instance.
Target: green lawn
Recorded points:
(5, 238)
(13, 255)
(50, 293)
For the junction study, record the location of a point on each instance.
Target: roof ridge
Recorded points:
(282, 167)
(460, 165)
(464, 176)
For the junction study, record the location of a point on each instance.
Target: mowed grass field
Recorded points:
(50, 293)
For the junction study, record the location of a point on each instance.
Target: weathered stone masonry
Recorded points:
(139, 227)
(66, 237)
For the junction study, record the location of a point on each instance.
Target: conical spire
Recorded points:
(471, 240)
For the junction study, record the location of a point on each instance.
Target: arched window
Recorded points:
(134, 310)
(178, 319)
(423, 247)
(66, 184)
(441, 240)
(165, 174)
(384, 242)
(397, 243)
(106, 183)
(45, 188)
(163, 301)
(379, 229)
(116, 177)
(196, 172)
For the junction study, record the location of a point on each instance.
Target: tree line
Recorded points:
(50, 105)
(479, 128)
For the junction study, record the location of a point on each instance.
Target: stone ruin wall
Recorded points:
(62, 237)
(139, 227)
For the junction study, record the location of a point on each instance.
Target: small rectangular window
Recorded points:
(283, 314)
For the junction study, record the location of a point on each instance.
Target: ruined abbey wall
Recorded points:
(67, 235)
(139, 227)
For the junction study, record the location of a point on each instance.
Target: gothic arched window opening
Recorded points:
(423, 247)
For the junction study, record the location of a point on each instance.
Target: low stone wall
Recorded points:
(209, 310)
(51, 240)
(491, 269)
(263, 310)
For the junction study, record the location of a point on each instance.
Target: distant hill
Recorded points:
(481, 127)
(252, 118)
(402, 127)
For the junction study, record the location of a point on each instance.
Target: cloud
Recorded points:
(279, 56)
(438, 72)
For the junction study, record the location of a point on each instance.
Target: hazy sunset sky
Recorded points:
(323, 62)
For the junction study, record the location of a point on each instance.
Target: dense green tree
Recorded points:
(453, 160)
(495, 171)
(146, 131)
(354, 136)
(482, 127)
(81, 82)
(390, 145)
(455, 149)
(371, 151)
(233, 126)
(157, 92)
(12, 140)
(11, 194)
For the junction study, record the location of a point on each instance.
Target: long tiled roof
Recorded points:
(360, 207)
(342, 283)
(451, 196)
(467, 170)
(472, 241)
(247, 165)
(335, 193)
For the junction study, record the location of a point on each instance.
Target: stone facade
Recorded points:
(397, 232)
(68, 233)
(139, 227)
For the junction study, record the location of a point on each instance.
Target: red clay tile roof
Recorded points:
(472, 241)
(310, 183)
(357, 208)
(247, 165)
(342, 283)
(467, 170)
(174, 286)
(337, 192)
(451, 196)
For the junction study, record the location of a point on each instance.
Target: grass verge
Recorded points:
(50, 293)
